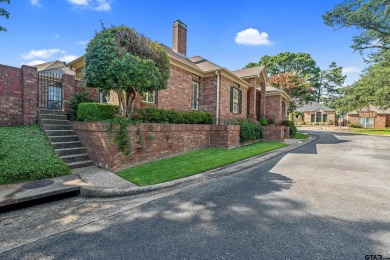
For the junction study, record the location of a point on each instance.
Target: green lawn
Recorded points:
(192, 163)
(26, 154)
(299, 136)
(370, 131)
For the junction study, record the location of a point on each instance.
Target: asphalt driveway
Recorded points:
(326, 200)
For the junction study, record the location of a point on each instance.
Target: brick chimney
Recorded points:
(180, 37)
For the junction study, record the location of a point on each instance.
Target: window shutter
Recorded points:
(156, 97)
(231, 99)
(239, 101)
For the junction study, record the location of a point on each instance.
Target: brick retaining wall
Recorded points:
(275, 133)
(152, 141)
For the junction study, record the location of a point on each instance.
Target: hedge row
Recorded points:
(96, 112)
(157, 115)
(249, 130)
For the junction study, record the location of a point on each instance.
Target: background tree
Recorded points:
(122, 60)
(4, 13)
(295, 73)
(326, 87)
(372, 17)
(373, 89)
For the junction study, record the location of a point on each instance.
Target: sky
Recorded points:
(228, 33)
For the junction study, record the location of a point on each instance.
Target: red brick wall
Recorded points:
(224, 107)
(274, 133)
(158, 141)
(387, 120)
(251, 103)
(225, 136)
(380, 121)
(208, 95)
(179, 38)
(178, 94)
(263, 99)
(274, 108)
(11, 99)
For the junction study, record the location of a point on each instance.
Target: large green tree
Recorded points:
(122, 60)
(373, 89)
(4, 13)
(372, 17)
(294, 73)
(327, 85)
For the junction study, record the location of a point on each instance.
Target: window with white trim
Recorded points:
(195, 92)
(235, 101)
(149, 97)
(104, 97)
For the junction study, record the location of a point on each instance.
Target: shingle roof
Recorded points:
(255, 71)
(204, 64)
(372, 109)
(55, 66)
(179, 56)
(313, 106)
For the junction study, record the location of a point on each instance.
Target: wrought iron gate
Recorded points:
(49, 90)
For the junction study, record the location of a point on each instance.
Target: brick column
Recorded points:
(29, 94)
(252, 99)
(263, 98)
(68, 89)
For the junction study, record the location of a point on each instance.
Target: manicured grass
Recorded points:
(26, 154)
(299, 136)
(192, 163)
(370, 131)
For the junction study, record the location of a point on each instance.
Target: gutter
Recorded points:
(217, 109)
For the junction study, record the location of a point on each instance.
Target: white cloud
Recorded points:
(35, 3)
(252, 36)
(97, 5)
(33, 62)
(79, 2)
(43, 54)
(68, 58)
(83, 42)
(351, 70)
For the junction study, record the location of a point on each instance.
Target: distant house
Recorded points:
(197, 84)
(369, 118)
(315, 113)
(57, 67)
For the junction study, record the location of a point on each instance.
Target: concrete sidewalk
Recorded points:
(96, 182)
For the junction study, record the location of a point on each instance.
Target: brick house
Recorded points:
(197, 84)
(369, 118)
(315, 113)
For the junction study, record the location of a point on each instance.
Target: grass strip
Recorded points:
(299, 136)
(192, 163)
(370, 131)
(26, 155)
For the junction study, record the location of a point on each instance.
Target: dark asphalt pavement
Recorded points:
(326, 200)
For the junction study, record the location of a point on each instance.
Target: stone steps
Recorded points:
(63, 138)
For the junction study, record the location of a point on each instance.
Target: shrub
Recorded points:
(270, 121)
(96, 112)
(157, 115)
(263, 121)
(290, 124)
(355, 125)
(330, 122)
(249, 130)
(74, 102)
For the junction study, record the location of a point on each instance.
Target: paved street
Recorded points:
(326, 200)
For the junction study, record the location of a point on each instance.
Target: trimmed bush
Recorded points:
(157, 115)
(263, 121)
(74, 102)
(290, 124)
(355, 125)
(96, 112)
(249, 130)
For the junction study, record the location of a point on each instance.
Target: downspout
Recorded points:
(217, 109)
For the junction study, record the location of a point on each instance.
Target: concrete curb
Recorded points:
(101, 192)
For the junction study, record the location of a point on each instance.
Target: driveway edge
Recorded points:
(104, 192)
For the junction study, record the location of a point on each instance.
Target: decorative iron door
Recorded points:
(49, 90)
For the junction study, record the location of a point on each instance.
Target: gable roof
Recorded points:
(249, 72)
(313, 106)
(56, 66)
(204, 64)
(372, 109)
